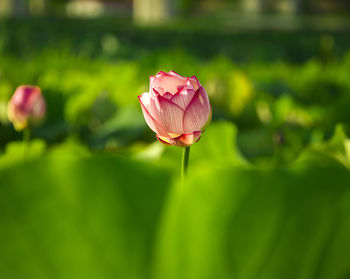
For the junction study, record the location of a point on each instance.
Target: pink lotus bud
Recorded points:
(176, 108)
(26, 105)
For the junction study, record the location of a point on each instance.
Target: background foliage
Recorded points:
(96, 197)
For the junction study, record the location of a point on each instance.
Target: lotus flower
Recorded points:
(27, 104)
(176, 108)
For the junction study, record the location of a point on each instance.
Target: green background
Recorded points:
(93, 195)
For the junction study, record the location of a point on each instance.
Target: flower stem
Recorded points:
(26, 139)
(185, 158)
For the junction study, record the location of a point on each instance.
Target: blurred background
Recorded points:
(267, 195)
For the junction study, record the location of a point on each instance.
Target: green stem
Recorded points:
(26, 139)
(185, 158)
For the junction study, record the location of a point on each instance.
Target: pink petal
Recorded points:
(167, 95)
(162, 139)
(168, 82)
(180, 87)
(183, 98)
(170, 116)
(151, 122)
(195, 82)
(25, 96)
(186, 139)
(191, 85)
(173, 73)
(197, 112)
(145, 99)
(15, 114)
(154, 93)
(161, 73)
(154, 105)
(26, 102)
(151, 79)
(158, 90)
(38, 108)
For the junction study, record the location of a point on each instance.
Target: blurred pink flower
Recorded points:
(27, 104)
(176, 108)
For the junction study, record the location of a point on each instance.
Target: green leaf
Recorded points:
(337, 149)
(217, 146)
(238, 223)
(79, 218)
(17, 152)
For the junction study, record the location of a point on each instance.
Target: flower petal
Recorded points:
(38, 108)
(26, 96)
(183, 98)
(168, 95)
(151, 79)
(186, 139)
(162, 139)
(158, 90)
(16, 115)
(151, 122)
(197, 112)
(170, 116)
(195, 82)
(26, 104)
(145, 99)
(173, 73)
(169, 82)
(161, 73)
